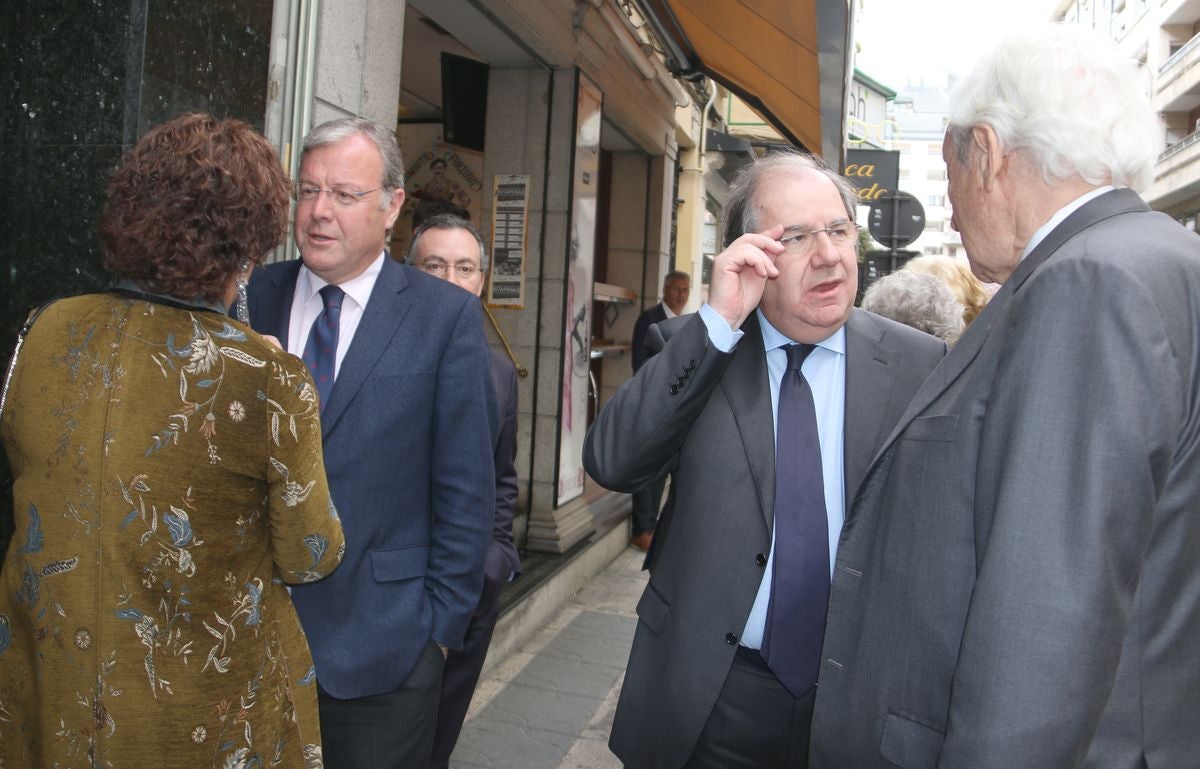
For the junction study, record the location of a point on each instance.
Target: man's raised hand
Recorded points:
(740, 273)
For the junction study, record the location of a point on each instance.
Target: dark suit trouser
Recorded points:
(393, 730)
(646, 503)
(462, 674)
(756, 723)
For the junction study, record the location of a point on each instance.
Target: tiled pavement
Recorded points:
(549, 705)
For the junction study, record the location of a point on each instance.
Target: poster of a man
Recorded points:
(439, 178)
(441, 189)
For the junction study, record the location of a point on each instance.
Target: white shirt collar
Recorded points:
(667, 310)
(1061, 214)
(357, 288)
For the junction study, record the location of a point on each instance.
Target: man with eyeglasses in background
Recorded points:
(401, 367)
(450, 247)
(724, 657)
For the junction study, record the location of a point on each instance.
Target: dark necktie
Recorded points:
(320, 352)
(795, 623)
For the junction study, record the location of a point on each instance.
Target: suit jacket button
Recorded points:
(760, 559)
(730, 639)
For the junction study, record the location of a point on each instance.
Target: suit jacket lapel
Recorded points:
(748, 393)
(869, 376)
(274, 305)
(968, 346)
(379, 323)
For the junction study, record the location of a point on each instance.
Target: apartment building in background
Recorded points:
(1164, 37)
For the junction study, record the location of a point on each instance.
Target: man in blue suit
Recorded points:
(406, 400)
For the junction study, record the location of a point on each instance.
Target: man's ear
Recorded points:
(988, 155)
(397, 203)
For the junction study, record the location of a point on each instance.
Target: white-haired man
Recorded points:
(1018, 584)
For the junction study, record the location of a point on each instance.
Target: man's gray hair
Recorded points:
(741, 214)
(917, 299)
(676, 275)
(448, 222)
(1067, 97)
(336, 131)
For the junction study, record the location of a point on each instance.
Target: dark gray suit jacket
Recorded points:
(706, 417)
(655, 314)
(1018, 582)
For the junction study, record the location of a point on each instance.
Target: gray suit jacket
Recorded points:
(706, 417)
(1018, 582)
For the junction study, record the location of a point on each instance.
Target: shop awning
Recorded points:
(787, 59)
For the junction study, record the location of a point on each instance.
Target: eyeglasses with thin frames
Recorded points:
(308, 193)
(438, 269)
(800, 240)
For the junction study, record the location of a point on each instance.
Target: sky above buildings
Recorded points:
(903, 41)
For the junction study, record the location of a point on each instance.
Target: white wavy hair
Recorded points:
(917, 299)
(1070, 99)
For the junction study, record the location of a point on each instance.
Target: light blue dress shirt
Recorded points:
(825, 370)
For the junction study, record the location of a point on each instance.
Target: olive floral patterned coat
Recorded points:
(168, 482)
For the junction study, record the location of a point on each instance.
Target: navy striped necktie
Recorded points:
(320, 351)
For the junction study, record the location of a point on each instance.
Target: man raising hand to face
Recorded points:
(765, 406)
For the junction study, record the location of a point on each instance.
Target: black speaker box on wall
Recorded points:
(464, 101)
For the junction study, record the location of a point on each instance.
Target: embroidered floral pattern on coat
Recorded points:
(168, 480)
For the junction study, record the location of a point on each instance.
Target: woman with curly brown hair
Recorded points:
(168, 480)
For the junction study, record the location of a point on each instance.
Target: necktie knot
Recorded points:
(797, 354)
(331, 297)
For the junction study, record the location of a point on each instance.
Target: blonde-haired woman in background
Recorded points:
(967, 288)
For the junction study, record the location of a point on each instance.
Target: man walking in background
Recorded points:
(677, 285)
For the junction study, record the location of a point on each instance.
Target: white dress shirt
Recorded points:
(307, 305)
(1060, 215)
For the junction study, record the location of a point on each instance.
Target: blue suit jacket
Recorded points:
(408, 453)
